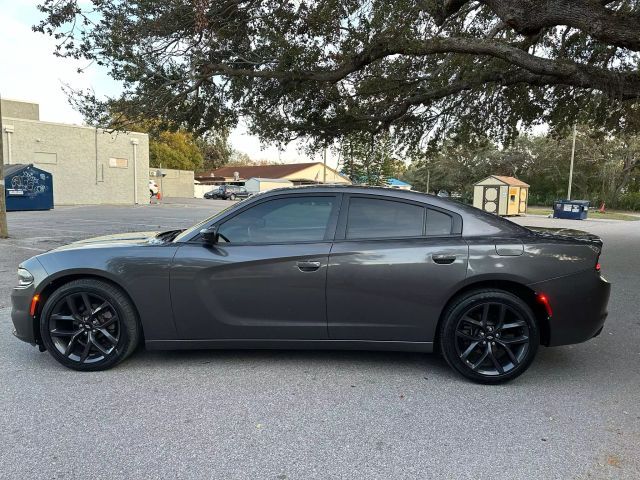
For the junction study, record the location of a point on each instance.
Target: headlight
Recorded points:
(24, 277)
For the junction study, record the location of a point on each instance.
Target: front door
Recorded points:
(391, 271)
(264, 279)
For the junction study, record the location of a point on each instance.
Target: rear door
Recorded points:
(393, 265)
(265, 279)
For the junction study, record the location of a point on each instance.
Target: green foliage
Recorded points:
(174, 150)
(215, 148)
(369, 159)
(325, 69)
(607, 168)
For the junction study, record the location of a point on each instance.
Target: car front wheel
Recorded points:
(89, 325)
(489, 336)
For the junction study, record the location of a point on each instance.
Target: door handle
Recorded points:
(308, 266)
(443, 258)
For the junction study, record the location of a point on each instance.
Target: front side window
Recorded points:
(376, 218)
(295, 219)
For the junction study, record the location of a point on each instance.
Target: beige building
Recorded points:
(297, 173)
(89, 165)
(173, 183)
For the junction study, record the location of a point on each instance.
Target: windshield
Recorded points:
(200, 225)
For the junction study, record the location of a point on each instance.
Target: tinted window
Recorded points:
(375, 218)
(282, 220)
(438, 223)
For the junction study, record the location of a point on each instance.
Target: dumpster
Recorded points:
(571, 209)
(27, 188)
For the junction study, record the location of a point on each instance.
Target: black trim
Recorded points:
(277, 344)
(341, 230)
(329, 230)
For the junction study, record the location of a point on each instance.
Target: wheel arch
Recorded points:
(520, 290)
(55, 282)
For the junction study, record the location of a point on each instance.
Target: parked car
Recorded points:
(153, 188)
(214, 193)
(228, 192)
(321, 267)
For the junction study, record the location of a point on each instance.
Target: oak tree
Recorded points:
(323, 69)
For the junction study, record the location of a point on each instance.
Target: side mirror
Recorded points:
(210, 235)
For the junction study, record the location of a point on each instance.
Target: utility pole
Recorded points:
(573, 154)
(428, 179)
(4, 230)
(324, 170)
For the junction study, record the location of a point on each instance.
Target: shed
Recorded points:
(501, 195)
(28, 188)
(256, 184)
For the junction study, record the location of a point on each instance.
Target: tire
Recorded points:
(490, 336)
(111, 329)
(232, 196)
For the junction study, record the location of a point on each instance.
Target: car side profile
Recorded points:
(321, 267)
(228, 192)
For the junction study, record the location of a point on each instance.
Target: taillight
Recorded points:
(598, 267)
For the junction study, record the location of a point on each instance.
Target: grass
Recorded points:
(610, 215)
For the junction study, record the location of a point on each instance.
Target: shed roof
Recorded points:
(511, 181)
(394, 182)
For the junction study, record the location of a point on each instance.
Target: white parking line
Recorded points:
(13, 245)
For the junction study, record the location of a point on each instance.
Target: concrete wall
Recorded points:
(175, 183)
(199, 190)
(89, 166)
(18, 109)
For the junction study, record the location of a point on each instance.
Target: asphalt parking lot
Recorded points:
(327, 415)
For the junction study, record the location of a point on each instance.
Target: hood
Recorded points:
(119, 239)
(568, 234)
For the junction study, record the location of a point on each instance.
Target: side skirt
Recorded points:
(250, 344)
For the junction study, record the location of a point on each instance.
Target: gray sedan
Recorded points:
(321, 267)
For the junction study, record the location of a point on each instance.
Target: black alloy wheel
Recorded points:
(490, 336)
(89, 325)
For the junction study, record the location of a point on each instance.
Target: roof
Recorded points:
(394, 182)
(260, 171)
(513, 181)
(278, 180)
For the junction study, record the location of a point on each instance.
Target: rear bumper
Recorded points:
(579, 303)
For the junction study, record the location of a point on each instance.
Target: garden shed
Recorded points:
(501, 195)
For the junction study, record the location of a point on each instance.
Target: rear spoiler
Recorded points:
(568, 233)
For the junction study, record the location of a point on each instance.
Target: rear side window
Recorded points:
(438, 223)
(376, 218)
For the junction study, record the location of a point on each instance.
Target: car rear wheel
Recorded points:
(89, 325)
(232, 196)
(489, 336)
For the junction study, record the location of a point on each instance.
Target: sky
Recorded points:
(29, 71)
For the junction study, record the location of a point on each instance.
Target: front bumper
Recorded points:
(25, 326)
(579, 303)
(23, 322)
